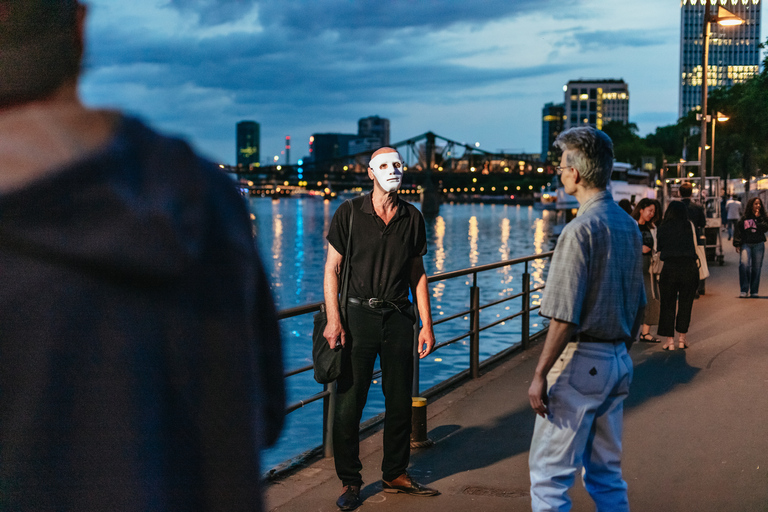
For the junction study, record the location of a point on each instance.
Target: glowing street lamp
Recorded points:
(726, 18)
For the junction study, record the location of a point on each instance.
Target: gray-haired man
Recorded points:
(595, 299)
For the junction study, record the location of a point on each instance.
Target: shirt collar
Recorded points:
(603, 195)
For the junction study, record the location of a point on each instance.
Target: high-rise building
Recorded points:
(325, 147)
(596, 102)
(374, 127)
(734, 55)
(248, 143)
(552, 123)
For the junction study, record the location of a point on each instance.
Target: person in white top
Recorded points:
(733, 213)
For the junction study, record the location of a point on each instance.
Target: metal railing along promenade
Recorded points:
(474, 335)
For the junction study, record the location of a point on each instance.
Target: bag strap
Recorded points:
(345, 271)
(695, 244)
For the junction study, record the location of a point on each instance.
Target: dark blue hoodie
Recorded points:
(140, 363)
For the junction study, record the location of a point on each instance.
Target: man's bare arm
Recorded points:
(334, 332)
(420, 289)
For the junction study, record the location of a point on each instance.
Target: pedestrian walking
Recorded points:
(388, 242)
(749, 241)
(646, 214)
(679, 278)
(594, 298)
(141, 364)
(733, 213)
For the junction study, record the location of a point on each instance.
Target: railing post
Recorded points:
(526, 308)
(474, 327)
(329, 406)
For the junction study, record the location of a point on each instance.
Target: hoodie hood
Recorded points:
(138, 208)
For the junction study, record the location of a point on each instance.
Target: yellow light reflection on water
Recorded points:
(474, 232)
(277, 244)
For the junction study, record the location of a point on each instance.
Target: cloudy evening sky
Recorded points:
(472, 71)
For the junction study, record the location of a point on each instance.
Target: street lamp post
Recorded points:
(726, 18)
(718, 117)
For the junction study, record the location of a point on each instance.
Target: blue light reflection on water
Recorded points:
(291, 239)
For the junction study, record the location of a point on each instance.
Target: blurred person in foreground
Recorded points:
(594, 297)
(388, 243)
(140, 363)
(646, 214)
(749, 241)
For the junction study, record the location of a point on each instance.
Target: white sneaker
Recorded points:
(743, 294)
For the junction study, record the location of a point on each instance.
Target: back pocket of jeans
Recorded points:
(589, 375)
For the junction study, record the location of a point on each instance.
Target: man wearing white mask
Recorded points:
(387, 244)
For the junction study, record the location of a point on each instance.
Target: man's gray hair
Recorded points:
(592, 154)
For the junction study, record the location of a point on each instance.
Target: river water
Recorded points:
(291, 237)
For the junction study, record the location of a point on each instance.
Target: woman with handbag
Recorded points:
(646, 214)
(749, 241)
(679, 279)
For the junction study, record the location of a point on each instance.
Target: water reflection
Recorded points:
(473, 231)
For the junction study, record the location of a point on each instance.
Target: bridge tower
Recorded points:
(430, 195)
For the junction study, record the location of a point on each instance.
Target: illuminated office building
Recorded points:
(734, 56)
(552, 123)
(248, 142)
(374, 127)
(595, 102)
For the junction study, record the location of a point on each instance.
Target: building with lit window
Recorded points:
(248, 142)
(595, 102)
(734, 55)
(374, 127)
(552, 124)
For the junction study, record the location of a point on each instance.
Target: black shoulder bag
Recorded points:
(327, 360)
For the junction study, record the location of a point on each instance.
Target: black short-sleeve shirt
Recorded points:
(381, 254)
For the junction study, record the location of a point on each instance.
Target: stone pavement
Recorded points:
(694, 437)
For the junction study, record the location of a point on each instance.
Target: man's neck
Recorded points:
(39, 138)
(583, 194)
(382, 200)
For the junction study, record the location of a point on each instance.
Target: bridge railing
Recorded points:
(474, 335)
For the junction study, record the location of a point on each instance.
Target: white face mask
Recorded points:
(388, 170)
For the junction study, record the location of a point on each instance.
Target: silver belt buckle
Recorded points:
(375, 303)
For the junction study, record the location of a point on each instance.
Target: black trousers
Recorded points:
(388, 334)
(678, 283)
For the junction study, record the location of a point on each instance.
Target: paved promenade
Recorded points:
(695, 436)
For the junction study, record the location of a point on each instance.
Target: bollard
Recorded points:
(419, 437)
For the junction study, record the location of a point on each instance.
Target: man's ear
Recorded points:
(370, 174)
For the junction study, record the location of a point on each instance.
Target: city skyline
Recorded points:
(473, 73)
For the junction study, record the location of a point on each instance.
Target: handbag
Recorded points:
(327, 360)
(701, 255)
(656, 264)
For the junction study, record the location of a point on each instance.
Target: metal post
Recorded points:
(474, 326)
(704, 65)
(526, 308)
(329, 406)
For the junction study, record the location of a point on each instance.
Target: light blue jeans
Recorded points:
(750, 264)
(587, 388)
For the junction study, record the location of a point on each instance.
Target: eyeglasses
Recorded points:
(560, 168)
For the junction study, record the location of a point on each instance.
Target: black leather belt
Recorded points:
(586, 338)
(375, 303)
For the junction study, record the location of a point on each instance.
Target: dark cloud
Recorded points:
(214, 12)
(609, 39)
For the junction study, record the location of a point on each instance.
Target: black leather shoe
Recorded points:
(404, 483)
(350, 499)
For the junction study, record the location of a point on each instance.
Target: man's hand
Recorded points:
(738, 249)
(537, 395)
(335, 334)
(426, 342)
